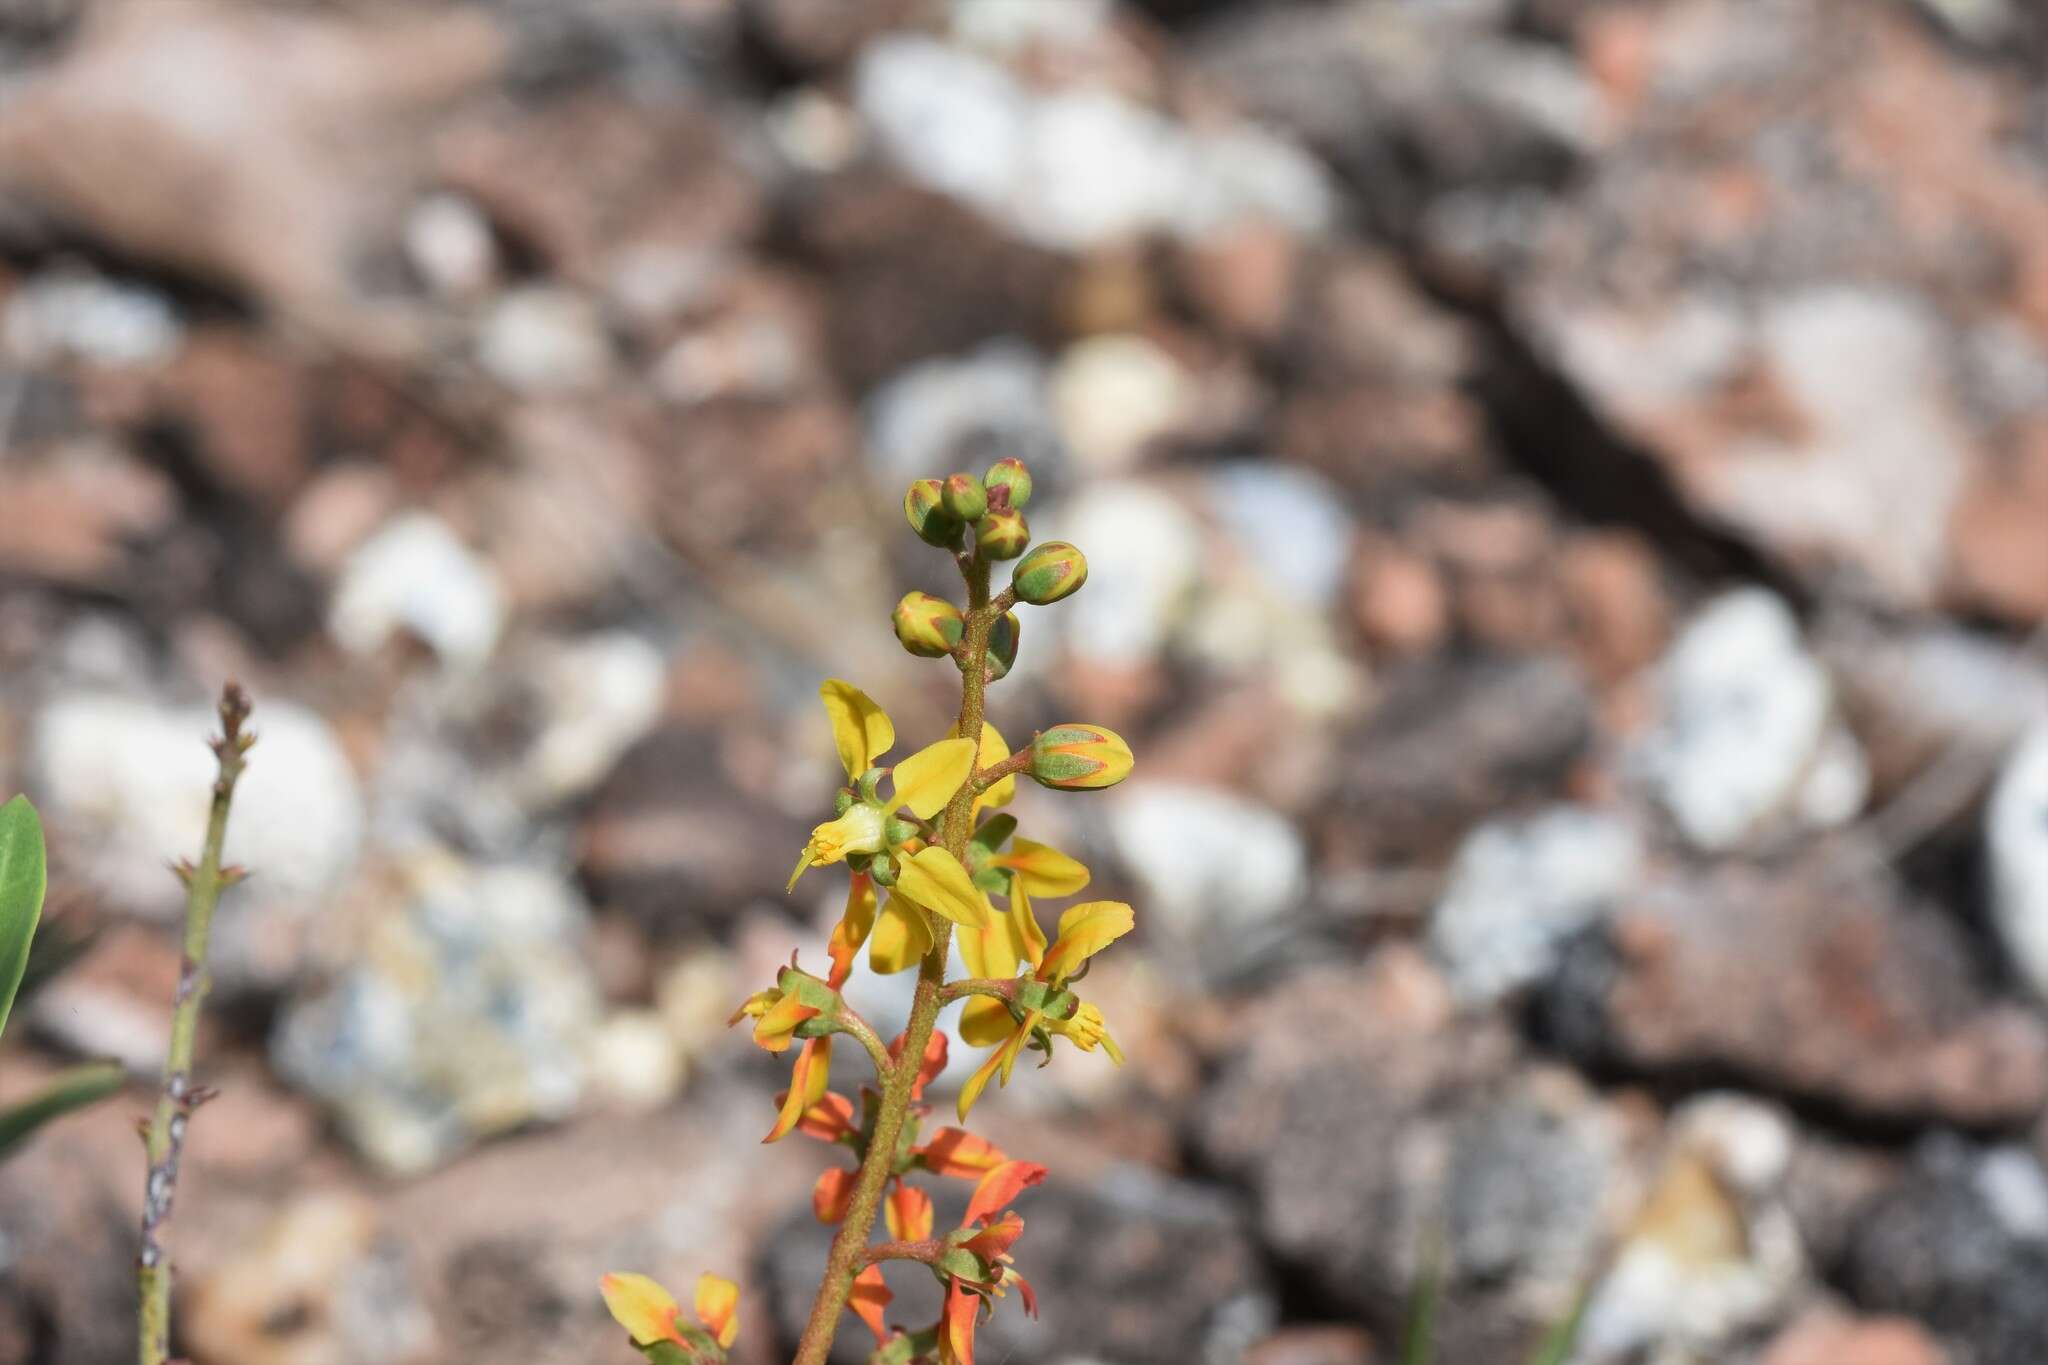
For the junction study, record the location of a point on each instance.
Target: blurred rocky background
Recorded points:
(1566, 484)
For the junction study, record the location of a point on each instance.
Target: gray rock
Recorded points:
(1518, 890)
(64, 315)
(1937, 1247)
(467, 1011)
(961, 412)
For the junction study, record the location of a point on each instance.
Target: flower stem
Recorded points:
(850, 1252)
(165, 1140)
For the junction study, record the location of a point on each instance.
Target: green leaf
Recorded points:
(70, 1089)
(22, 882)
(995, 830)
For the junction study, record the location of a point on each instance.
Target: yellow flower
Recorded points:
(921, 784)
(651, 1315)
(994, 750)
(1085, 930)
(808, 1081)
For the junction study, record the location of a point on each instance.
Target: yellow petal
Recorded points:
(901, 939)
(985, 1022)
(926, 780)
(778, 1023)
(1002, 1060)
(991, 950)
(717, 1298)
(642, 1307)
(1044, 870)
(1024, 927)
(994, 749)
(1085, 930)
(861, 730)
(935, 879)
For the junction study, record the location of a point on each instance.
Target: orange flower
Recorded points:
(990, 1243)
(807, 1082)
(653, 1319)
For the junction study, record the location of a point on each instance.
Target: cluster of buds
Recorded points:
(929, 852)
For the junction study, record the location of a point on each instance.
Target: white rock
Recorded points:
(1144, 561)
(1293, 526)
(2016, 832)
(1518, 889)
(924, 421)
(133, 781)
(415, 575)
(449, 243)
(635, 1062)
(954, 121)
(1014, 25)
(2015, 1189)
(72, 314)
(601, 694)
(1210, 861)
(1114, 395)
(544, 339)
(1746, 729)
(1074, 167)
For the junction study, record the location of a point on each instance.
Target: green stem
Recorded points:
(165, 1140)
(850, 1250)
(996, 988)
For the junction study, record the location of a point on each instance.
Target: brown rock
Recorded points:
(267, 149)
(1313, 1346)
(1399, 600)
(1823, 1337)
(1819, 980)
(1619, 613)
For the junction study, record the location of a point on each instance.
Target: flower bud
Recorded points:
(965, 499)
(1079, 758)
(1050, 572)
(924, 507)
(927, 626)
(1003, 633)
(898, 831)
(1002, 535)
(1009, 484)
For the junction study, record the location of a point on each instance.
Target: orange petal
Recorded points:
(778, 1023)
(807, 1082)
(870, 1296)
(829, 1120)
(831, 1195)
(957, 1152)
(1001, 1185)
(934, 1060)
(717, 1298)
(956, 1325)
(642, 1307)
(997, 1238)
(853, 928)
(909, 1212)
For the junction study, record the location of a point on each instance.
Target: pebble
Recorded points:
(544, 339)
(131, 779)
(415, 575)
(963, 411)
(2016, 837)
(1517, 889)
(1746, 730)
(1212, 864)
(1114, 395)
(71, 314)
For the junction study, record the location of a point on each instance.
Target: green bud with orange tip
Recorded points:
(1008, 483)
(927, 626)
(964, 498)
(1079, 758)
(1002, 534)
(1052, 571)
(1003, 635)
(924, 507)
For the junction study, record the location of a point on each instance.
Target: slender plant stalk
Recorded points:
(165, 1137)
(850, 1247)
